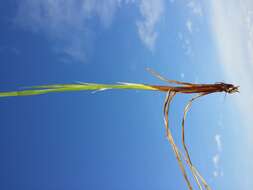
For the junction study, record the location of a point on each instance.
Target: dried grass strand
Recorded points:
(194, 171)
(169, 136)
(176, 150)
(157, 75)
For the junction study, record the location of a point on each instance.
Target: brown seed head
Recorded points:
(229, 88)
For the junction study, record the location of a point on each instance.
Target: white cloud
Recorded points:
(186, 44)
(151, 11)
(57, 13)
(194, 11)
(189, 25)
(217, 138)
(66, 22)
(215, 174)
(216, 160)
(232, 24)
(195, 7)
(217, 169)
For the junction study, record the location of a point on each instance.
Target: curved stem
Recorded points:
(167, 102)
(194, 171)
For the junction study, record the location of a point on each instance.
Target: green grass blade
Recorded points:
(44, 89)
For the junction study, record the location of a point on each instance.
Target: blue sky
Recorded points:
(116, 139)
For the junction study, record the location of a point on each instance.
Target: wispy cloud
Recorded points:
(151, 11)
(189, 25)
(186, 44)
(216, 158)
(217, 138)
(66, 22)
(182, 75)
(194, 13)
(232, 24)
(195, 7)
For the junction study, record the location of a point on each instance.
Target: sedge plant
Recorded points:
(171, 90)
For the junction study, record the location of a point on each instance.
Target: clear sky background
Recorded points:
(116, 139)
